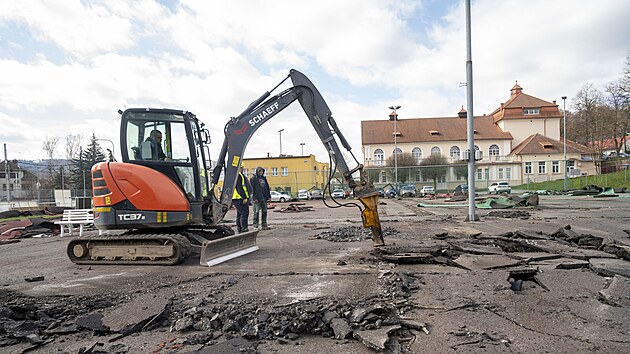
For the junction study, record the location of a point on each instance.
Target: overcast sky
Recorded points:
(67, 66)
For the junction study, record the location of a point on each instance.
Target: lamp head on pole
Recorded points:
(393, 115)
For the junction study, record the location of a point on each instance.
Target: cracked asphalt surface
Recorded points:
(295, 294)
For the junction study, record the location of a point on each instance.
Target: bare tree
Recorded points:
(589, 126)
(434, 167)
(404, 162)
(73, 145)
(618, 117)
(625, 79)
(50, 148)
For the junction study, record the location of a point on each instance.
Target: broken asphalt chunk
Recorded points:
(489, 261)
(93, 321)
(34, 279)
(375, 339)
(610, 267)
(341, 328)
(133, 315)
(617, 293)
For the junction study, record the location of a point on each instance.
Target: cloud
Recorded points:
(83, 60)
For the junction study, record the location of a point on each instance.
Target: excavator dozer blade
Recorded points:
(226, 248)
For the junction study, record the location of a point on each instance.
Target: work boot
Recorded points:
(265, 227)
(255, 227)
(244, 230)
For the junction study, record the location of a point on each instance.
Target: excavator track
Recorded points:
(130, 248)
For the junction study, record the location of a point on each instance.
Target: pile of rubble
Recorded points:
(376, 321)
(351, 234)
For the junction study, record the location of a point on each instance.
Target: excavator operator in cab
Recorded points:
(152, 147)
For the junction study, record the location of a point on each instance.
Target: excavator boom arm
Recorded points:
(240, 129)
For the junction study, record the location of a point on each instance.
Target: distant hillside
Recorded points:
(37, 166)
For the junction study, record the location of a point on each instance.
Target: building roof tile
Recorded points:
(429, 130)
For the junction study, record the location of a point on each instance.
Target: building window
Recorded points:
(542, 166)
(454, 152)
(274, 171)
(555, 166)
(530, 111)
(397, 151)
(487, 173)
(417, 153)
(418, 175)
(436, 150)
(285, 171)
(379, 155)
(528, 168)
(493, 150)
(500, 172)
(383, 177)
(570, 165)
(479, 174)
(508, 173)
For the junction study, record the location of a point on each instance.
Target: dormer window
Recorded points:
(530, 111)
(547, 144)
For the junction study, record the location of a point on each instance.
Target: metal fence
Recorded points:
(41, 198)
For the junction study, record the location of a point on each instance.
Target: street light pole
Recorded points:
(111, 142)
(564, 111)
(82, 169)
(302, 145)
(394, 108)
(280, 133)
(470, 119)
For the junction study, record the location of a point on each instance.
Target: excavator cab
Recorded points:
(172, 142)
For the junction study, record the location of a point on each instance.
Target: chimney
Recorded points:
(393, 116)
(462, 113)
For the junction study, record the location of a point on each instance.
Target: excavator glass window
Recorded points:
(159, 140)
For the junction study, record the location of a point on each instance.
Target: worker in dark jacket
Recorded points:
(240, 200)
(261, 193)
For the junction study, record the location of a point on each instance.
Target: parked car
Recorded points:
(280, 197)
(427, 190)
(303, 194)
(461, 189)
(317, 194)
(381, 193)
(499, 187)
(338, 193)
(408, 191)
(391, 193)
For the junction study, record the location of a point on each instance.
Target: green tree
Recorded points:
(434, 167)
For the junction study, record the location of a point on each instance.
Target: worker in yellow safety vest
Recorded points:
(240, 200)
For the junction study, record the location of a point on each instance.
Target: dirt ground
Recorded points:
(552, 278)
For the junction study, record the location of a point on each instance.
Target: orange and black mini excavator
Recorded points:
(162, 195)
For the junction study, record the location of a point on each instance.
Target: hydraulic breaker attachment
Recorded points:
(370, 217)
(226, 248)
